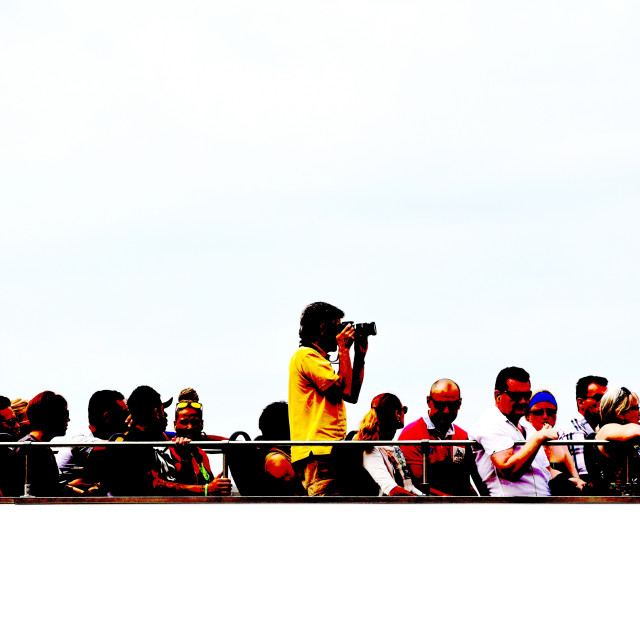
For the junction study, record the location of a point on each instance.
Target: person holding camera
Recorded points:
(317, 393)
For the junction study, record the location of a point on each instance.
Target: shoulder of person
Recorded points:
(459, 433)
(412, 430)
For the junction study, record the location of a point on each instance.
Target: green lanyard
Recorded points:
(204, 472)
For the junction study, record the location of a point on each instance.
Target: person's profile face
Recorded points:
(162, 417)
(590, 406)
(121, 414)
(188, 423)
(390, 419)
(632, 414)
(9, 422)
(60, 420)
(329, 331)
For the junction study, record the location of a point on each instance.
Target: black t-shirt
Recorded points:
(42, 474)
(127, 470)
(608, 475)
(8, 472)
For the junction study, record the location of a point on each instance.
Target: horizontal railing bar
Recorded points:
(222, 444)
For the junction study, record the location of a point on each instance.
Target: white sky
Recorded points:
(178, 180)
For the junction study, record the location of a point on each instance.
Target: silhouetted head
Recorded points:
(107, 413)
(148, 410)
(8, 421)
(47, 412)
(274, 421)
(319, 324)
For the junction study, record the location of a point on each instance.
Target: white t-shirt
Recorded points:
(380, 468)
(494, 432)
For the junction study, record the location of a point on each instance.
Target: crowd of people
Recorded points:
(515, 449)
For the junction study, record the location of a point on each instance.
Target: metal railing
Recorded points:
(223, 446)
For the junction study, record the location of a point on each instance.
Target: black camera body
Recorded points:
(363, 329)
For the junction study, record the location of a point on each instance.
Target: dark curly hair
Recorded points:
(313, 317)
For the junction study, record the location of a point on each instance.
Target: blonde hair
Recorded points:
(614, 403)
(19, 407)
(369, 428)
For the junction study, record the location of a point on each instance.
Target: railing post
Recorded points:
(627, 486)
(27, 486)
(425, 464)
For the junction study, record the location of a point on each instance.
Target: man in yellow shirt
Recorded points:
(317, 393)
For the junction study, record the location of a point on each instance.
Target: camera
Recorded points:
(363, 329)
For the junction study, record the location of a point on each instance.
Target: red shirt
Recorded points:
(449, 467)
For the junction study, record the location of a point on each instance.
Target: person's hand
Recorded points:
(181, 441)
(75, 487)
(219, 486)
(548, 433)
(579, 482)
(400, 491)
(345, 337)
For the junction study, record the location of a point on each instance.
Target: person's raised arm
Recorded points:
(511, 464)
(617, 433)
(357, 375)
(218, 486)
(341, 388)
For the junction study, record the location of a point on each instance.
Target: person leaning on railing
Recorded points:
(451, 469)
(607, 464)
(542, 412)
(142, 470)
(589, 392)
(277, 476)
(509, 469)
(81, 467)
(9, 432)
(36, 468)
(386, 464)
(188, 464)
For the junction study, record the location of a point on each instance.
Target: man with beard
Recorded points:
(450, 468)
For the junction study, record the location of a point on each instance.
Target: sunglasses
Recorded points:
(518, 396)
(441, 405)
(540, 412)
(596, 398)
(185, 404)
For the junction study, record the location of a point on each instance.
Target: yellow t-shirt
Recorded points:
(311, 415)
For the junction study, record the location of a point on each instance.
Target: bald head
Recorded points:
(444, 403)
(444, 385)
